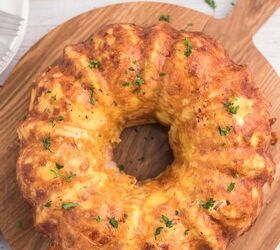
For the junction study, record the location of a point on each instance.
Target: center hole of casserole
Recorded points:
(144, 151)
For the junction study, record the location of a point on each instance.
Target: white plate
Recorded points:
(19, 8)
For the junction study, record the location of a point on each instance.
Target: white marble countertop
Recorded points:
(47, 14)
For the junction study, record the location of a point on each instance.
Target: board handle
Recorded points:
(249, 15)
(240, 25)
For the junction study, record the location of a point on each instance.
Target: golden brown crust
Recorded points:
(126, 74)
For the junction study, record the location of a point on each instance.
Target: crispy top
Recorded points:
(124, 75)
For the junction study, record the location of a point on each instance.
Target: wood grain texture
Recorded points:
(234, 32)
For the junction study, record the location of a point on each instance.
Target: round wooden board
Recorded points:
(234, 32)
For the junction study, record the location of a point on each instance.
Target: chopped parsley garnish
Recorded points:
(231, 108)
(52, 121)
(126, 84)
(131, 69)
(231, 186)
(69, 205)
(58, 166)
(97, 218)
(60, 118)
(164, 18)
(68, 178)
(121, 167)
(208, 204)
(47, 143)
(158, 231)
(134, 61)
(224, 131)
(19, 224)
(186, 232)
(114, 223)
(54, 97)
(138, 81)
(162, 74)
(48, 203)
(56, 174)
(94, 64)
(211, 3)
(177, 212)
(91, 98)
(188, 45)
(125, 216)
(135, 90)
(166, 221)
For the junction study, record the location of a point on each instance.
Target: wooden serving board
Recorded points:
(147, 145)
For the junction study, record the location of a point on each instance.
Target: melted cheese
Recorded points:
(245, 108)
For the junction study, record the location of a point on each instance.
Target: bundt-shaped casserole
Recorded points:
(126, 75)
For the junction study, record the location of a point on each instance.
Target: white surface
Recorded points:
(46, 14)
(19, 8)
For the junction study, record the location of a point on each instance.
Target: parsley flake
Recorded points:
(164, 18)
(186, 232)
(69, 205)
(126, 84)
(91, 98)
(56, 174)
(177, 212)
(52, 121)
(47, 143)
(158, 231)
(188, 44)
(97, 218)
(208, 204)
(58, 166)
(224, 131)
(211, 3)
(135, 90)
(231, 108)
(121, 167)
(60, 118)
(48, 203)
(114, 223)
(68, 178)
(94, 64)
(231, 186)
(138, 81)
(166, 221)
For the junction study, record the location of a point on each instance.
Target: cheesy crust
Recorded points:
(126, 75)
